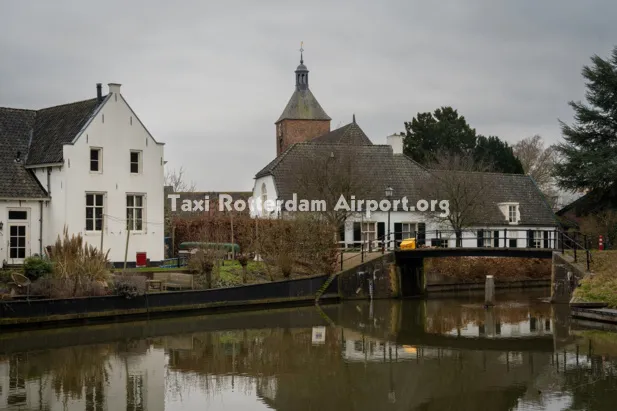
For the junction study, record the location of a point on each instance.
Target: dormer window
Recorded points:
(513, 213)
(96, 160)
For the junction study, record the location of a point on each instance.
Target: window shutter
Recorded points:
(341, 232)
(357, 233)
(381, 231)
(398, 233)
(421, 239)
(546, 234)
(496, 238)
(529, 238)
(480, 238)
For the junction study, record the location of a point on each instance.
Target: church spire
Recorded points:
(302, 72)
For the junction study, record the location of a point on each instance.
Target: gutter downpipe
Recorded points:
(41, 228)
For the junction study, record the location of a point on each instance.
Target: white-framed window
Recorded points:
(513, 213)
(369, 231)
(96, 159)
(537, 239)
(408, 230)
(487, 238)
(135, 162)
(95, 208)
(135, 205)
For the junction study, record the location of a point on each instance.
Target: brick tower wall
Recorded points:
(296, 131)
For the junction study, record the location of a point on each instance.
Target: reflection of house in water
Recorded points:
(493, 327)
(126, 381)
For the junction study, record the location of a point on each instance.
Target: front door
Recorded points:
(17, 243)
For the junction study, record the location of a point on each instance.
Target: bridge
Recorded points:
(403, 256)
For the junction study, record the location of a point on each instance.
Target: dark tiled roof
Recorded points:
(39, 136)
(348, 134)
(55, 126)
(303, 106)
(377, 168)
(15, 131)
(509, 188)
(374, 165)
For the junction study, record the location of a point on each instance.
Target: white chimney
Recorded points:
(114, 88)
(396, 142)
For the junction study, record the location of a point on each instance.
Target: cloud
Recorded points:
(210, 79)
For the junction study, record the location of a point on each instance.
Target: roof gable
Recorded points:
(348, 134)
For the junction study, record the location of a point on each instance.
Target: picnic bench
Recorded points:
(176, 281)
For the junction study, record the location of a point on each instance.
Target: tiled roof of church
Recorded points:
(303, 106)
(348, 134)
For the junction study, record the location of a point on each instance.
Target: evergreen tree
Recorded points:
(589, 152)
(428, 136)
(497, 155)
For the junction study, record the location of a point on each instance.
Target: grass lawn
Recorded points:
(602, 285)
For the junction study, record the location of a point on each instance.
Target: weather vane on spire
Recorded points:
(301, 51)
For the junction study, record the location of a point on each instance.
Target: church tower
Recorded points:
(303, 118)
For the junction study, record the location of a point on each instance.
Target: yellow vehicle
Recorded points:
(408, 244)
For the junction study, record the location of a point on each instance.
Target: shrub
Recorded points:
(73, 258)
(37, 267)
(67, 288)
(129, 286)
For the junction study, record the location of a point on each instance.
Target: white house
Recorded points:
(516, 214)
(90, 166)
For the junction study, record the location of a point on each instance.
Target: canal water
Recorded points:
(437, 354)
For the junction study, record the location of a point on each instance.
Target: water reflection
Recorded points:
(388, 355)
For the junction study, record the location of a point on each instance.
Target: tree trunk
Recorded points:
(459, 237)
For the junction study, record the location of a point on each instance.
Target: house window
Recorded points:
(369, 232)
(537, 239)
(513, 214)
(408, 230)
(94, 212)
(135, 162)
(134, 212)
(487, 238)
(18, 215)
(512, 243)
(96, 159)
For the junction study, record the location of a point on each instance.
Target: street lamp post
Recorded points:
(389, 192)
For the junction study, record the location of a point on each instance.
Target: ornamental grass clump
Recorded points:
(79, 269)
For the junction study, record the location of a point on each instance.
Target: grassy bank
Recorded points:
(601, 287)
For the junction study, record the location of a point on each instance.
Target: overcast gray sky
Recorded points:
(210, 78)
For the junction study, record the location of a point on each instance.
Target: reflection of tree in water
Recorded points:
(218, 358)
(71, 369)
(593, 384)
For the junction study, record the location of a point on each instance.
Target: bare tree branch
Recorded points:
(460, 180)
(177, 180)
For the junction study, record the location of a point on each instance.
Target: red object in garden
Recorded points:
(601, 243)
(141, 259)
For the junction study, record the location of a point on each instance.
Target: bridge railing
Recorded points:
(555, 239)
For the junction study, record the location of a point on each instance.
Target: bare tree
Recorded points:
(328, 172)
(538, 161)
(460, 180)
(177, 180)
